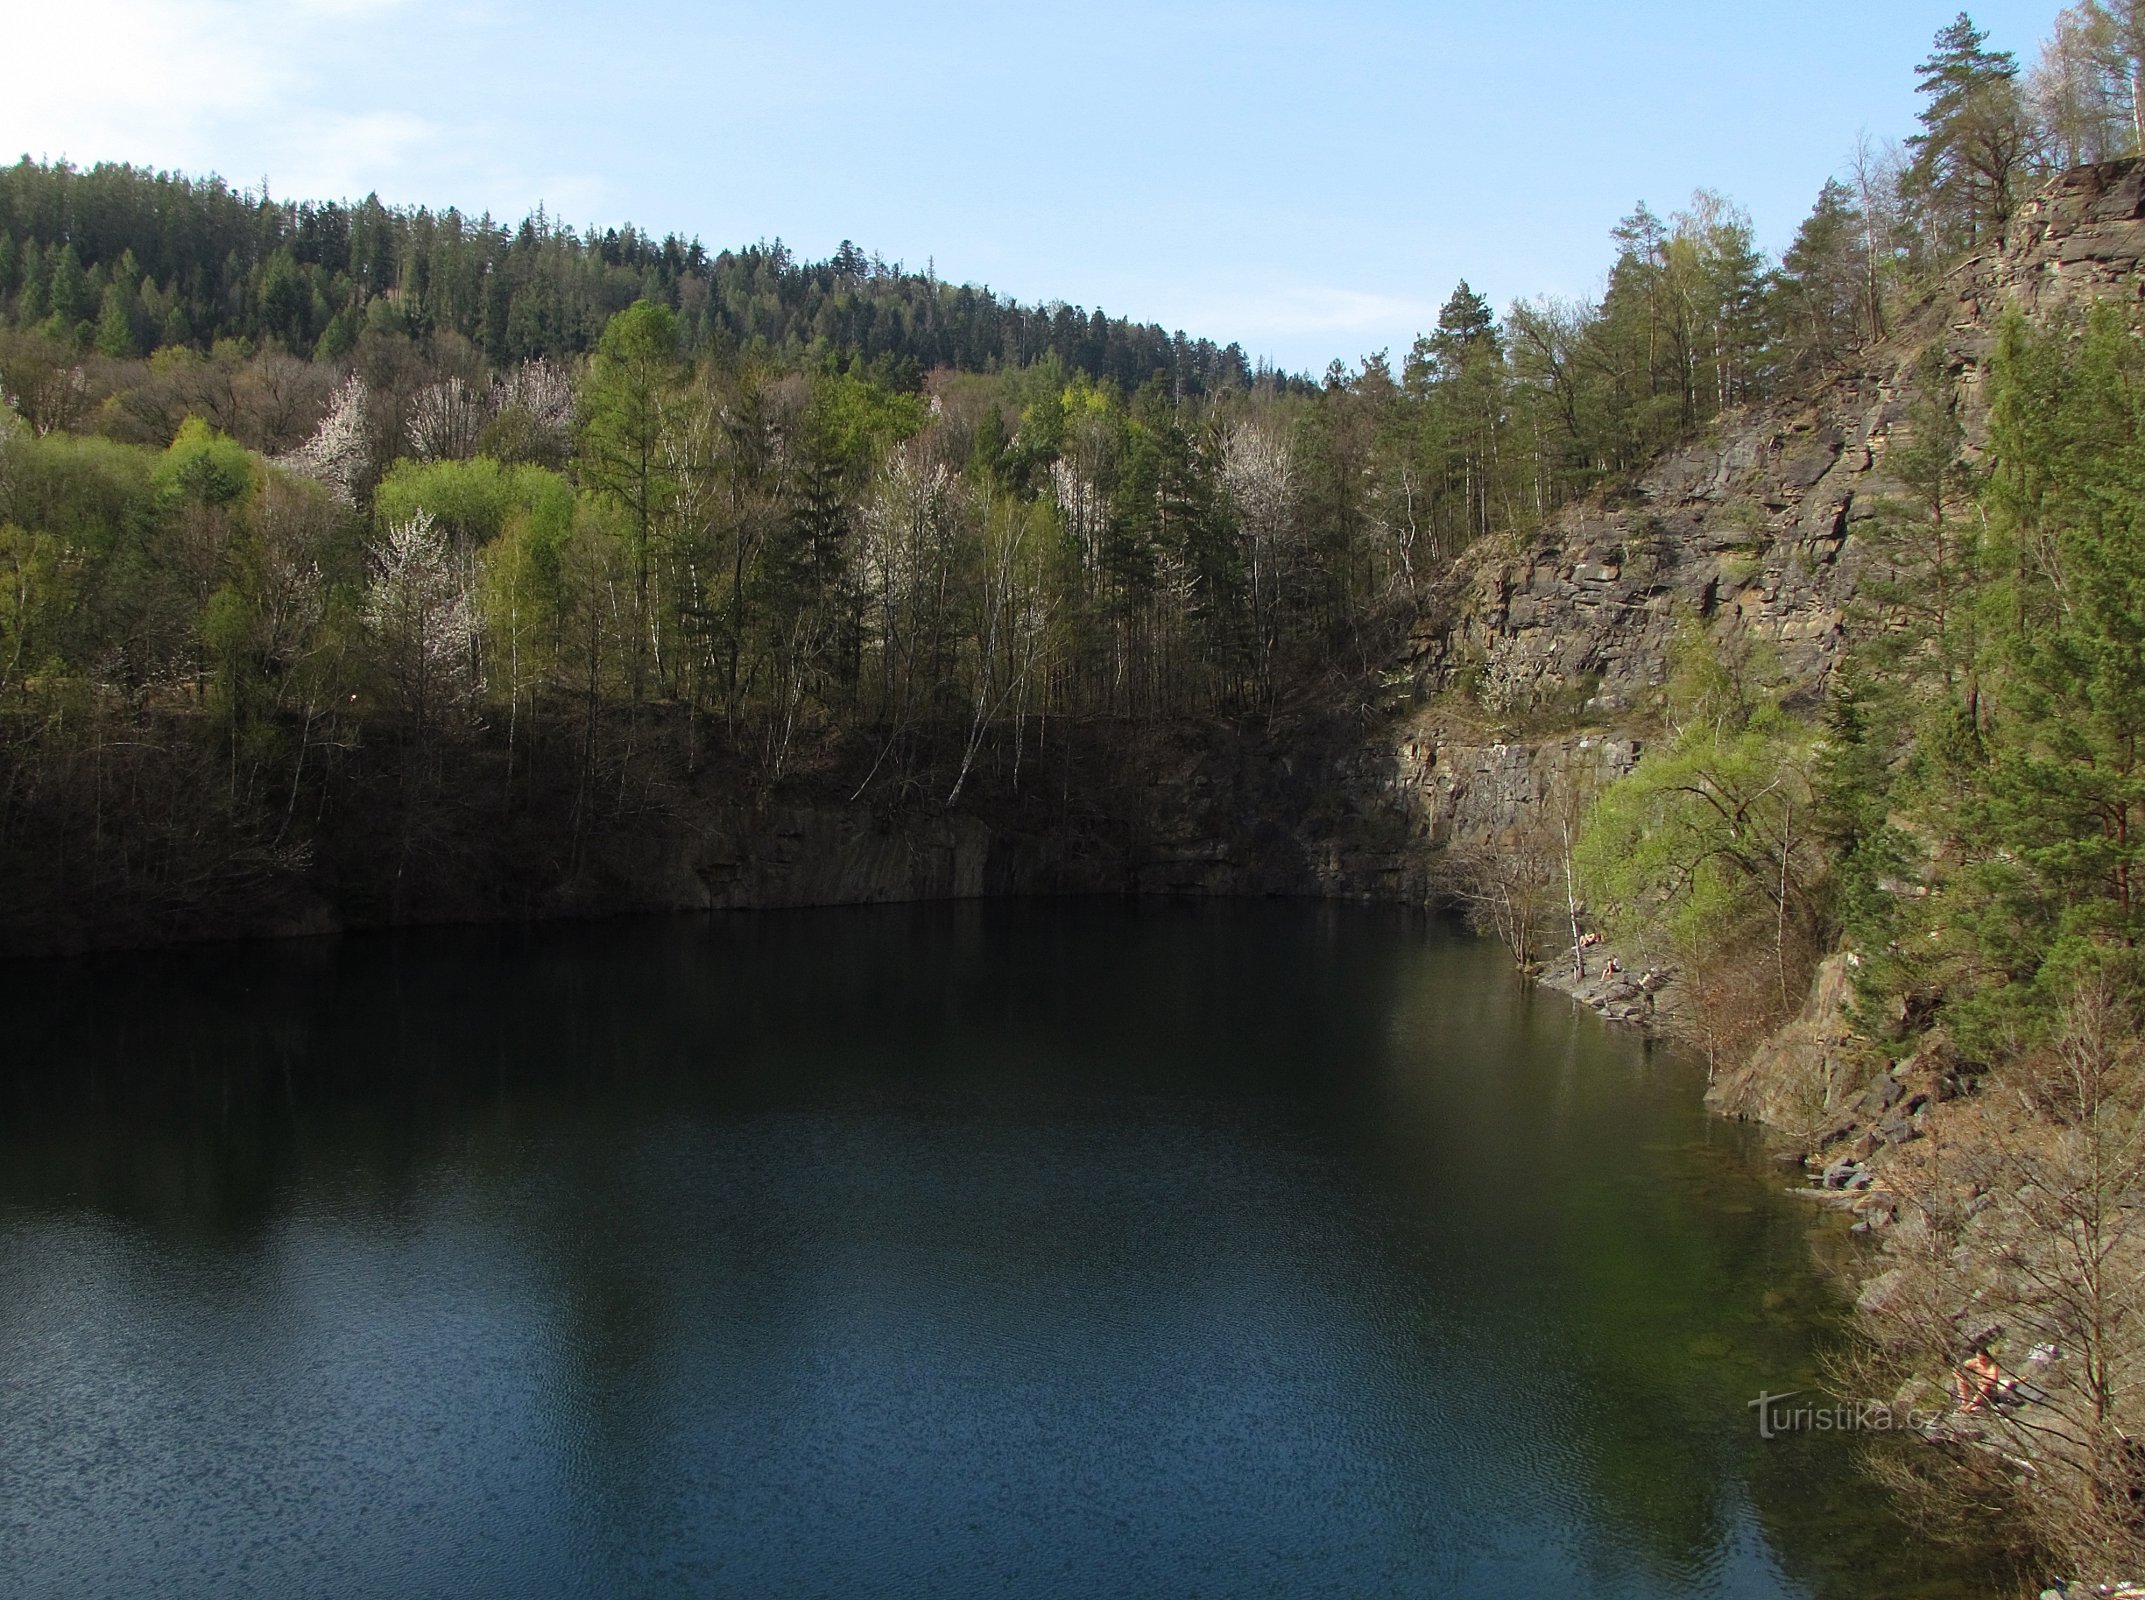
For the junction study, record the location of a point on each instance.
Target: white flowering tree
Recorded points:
(1258, 473)
(544, 391)
(420, 613)
(337, 454)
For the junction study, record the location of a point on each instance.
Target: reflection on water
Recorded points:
(1069, 1249)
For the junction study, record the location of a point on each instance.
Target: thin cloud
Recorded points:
(1284, 314)
(164, 75)
(342, 155)
(195, 84)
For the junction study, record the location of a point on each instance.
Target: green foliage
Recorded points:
(1821, 300)
(1982, 784)
(634, 377)
(838, 499)
(115, 323)
(1852, 785)
(204, 467)
(36, 580)
(90, 492)
(860, 420)
(312, 275)
(1976, 139)
(2066, 774)
(1708, 844)
(474, 500)
(67, 291)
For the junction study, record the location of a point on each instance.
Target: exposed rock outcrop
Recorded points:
(1799, 1077)
(1753, 528)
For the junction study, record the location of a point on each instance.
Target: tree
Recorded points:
(115, 324)
(1706, 854)
(2021, 1235)
(2088, 88)
(1258, 474)
(1459, 374)
(631, 386)
(69, 291)
(2083, 98)
(419, 610)
(2067, 776)
(1521, 886)
(286, 301)
(2016, 661)
(1929, 541)
(447, 419)
(339, 454)
(1818, 298)
(36, 577)
(1976, 141)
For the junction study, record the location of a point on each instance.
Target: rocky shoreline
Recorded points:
(1643, 998)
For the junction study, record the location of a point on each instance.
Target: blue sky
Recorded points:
(1310, 180)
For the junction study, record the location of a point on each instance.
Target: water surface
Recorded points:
(1028, 1250)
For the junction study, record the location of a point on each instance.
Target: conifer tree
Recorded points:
(1976, 141)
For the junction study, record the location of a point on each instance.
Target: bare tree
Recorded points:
(446, 419)
(1876, 172)
(904, 552)
(1013, 627)
(2023, 1237)
(1517, 886)
(2088, 88)
(274, 398)
(543, 389)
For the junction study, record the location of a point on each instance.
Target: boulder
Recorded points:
(1885, 1092)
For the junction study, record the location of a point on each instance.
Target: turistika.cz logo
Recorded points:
(1776, 1416)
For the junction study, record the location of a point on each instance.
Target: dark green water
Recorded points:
(1058, 1249)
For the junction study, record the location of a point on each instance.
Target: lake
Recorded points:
(1024, 1249)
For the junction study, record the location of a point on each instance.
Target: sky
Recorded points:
(1308, 180)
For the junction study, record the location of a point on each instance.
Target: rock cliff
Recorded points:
(1753, 528)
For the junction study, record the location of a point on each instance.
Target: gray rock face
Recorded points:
(1882, 1291)
(1885, 1092)
(1455, 791)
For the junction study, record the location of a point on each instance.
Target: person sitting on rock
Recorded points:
(1978, 1379)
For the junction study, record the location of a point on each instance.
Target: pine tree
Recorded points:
(34, 303)
(115, 324)
(68, 293)
(1816, 300)
(1975, 141)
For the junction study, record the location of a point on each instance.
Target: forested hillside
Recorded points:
(295, 493)
(320, 516)
(128, 260)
